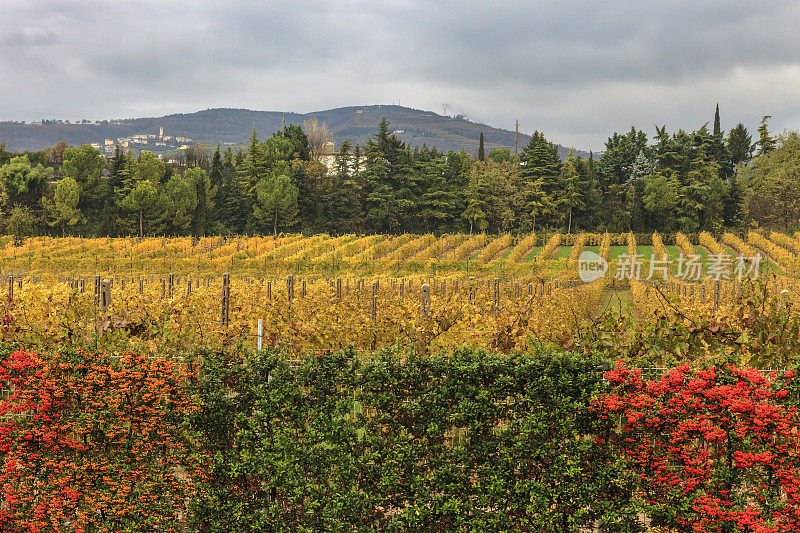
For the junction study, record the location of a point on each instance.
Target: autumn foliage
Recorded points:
(714, 449)
(541, 441)
(92, 443)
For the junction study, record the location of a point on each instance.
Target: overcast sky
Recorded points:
(575, 70)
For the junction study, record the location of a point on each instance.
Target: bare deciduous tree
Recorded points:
(318, 136)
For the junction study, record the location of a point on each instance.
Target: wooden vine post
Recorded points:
(374, 311)
(425, 300)
(226, 298)
(496, 296)
(105, 295)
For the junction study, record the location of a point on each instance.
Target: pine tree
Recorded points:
(740, 144)
(536, 201)
(338, 206)
(539, 159)
(255, 165)
(481, 155)
(475, 203)
(641, 168)
(276, 201)
(139, 191)
(733, 203)
(233, 205)
(621, 151)
(572, 196)
(765, 142)
(436, 201)
(179, 201)
(389, 201)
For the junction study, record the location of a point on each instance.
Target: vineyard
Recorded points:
(430, 293)
(401, 382)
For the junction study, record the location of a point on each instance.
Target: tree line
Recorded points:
(706, 179)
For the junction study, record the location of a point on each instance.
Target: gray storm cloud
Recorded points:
(576, 70)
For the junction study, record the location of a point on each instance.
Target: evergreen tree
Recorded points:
(204, 192)
(719, 149)
(141, 197)
(637, 218)
(539, 174)
(474, 211)
(276, 201)
(388, 188)
(254, 167)
(637, 213)
(539, 159)
(63, 210)
(179, 202)
(765, 142)
(695, 192)
(616, 163)
(233, 205)
(437, 201)
(227, 158)
(661, 198)
(572, 196)
(138, 193)
(481, 156)
(640, 170)
(299, 142)
(24, 184)
(740, 145)
(215, 174)
(733, 204)
(537, 201)
(349, 217)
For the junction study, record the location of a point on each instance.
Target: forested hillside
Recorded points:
(214, 126)
(706, 179)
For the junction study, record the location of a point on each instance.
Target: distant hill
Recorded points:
(234, 126)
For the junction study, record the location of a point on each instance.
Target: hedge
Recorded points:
(543, 441)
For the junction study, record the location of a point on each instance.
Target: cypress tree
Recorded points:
(719, 150)
(481, 155)
(215, 174)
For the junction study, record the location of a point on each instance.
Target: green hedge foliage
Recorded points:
(469, 441)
